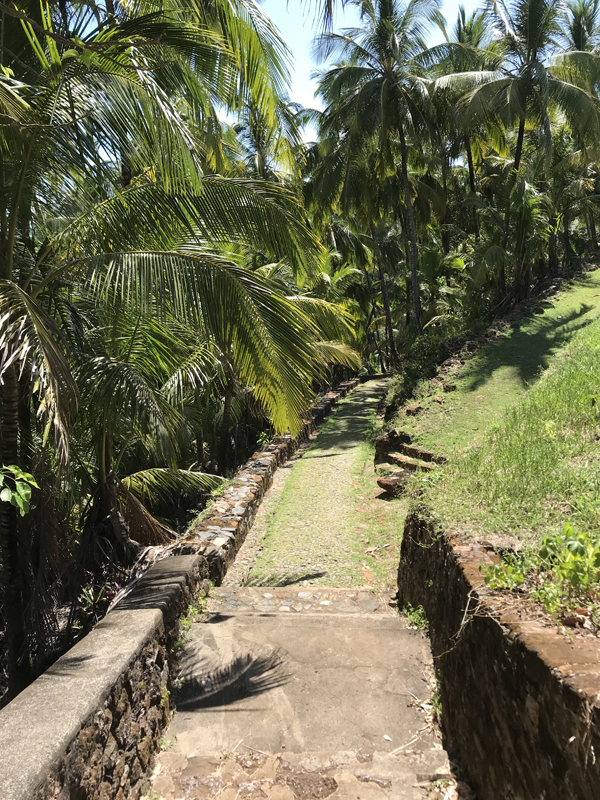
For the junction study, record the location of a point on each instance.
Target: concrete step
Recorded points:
(293, 600)
(406, 462)
(294, 776)
(293, 706)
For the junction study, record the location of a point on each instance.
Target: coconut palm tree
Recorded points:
(382, 86)
(581, 28)
(109, 141)
(524, 87)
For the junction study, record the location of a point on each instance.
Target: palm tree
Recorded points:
(524, 87)
(350, 177)
(582, 19)
(87, 103)
(383, 87)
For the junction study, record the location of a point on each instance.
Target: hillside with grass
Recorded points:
(524, 472)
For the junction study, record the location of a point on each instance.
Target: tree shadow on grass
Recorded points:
(247, 675)
(526, 351)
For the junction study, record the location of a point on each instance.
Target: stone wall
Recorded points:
(521, 703)
(89, 727)
(219, 534)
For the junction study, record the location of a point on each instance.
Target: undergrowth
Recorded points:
(424, 357)
(562, 573)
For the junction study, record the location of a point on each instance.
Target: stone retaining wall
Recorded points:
(89, 727)
(219, 535)
(521, 703)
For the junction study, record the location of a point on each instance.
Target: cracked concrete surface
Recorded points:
(302, 692)
(298, 706)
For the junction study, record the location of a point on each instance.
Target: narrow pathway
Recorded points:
(324, 521)
(304, 682)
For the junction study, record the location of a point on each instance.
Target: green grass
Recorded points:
(540, 466)
(501, 372)
(330, 527)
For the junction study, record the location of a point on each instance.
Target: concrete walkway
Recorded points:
(301, 691)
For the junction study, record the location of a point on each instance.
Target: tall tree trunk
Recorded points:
(24, 418)
(593, 234)
(19, 666)
(567, 241)
(519, 150)
(416, 300)
(445, 236)
(384, 295)
(517, 163)
(552, 256)
(472, 182)
(225, 424)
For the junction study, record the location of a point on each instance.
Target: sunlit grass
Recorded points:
(541, 464)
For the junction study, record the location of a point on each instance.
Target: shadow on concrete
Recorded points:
(67, 665)
(247, 675)
(284, 579)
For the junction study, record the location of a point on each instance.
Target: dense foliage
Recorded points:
(172, 286)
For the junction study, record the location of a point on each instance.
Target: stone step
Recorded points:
(393, 484)
(414, 451)
(406, 462)
(366, 775)
(299, 600)
(295, 707)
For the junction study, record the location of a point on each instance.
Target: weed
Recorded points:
(415, 616)
(562, 573)
(436, 703)
(263, 438)
(150, 794)
(165, 743)
(165, 696)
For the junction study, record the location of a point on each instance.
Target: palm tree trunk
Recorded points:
(472, 182)
(445, 237)
(416, 300)
(225, 423)
(25, 427)
(19, 667)
(384, 295)
(552, 257)
(520, 137)
(567, 241)
(593, 234)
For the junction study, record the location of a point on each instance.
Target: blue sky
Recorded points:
(296, 23)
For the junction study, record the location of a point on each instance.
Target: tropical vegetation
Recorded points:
(173, 286)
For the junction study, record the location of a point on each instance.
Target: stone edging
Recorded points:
(90, 726)
(219, 535)
(521, 703)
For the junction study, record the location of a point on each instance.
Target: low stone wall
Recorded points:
(521, 703)
(219, 535)
(89, 727)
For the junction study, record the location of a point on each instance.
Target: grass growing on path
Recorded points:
(500, 373)
(330, 526)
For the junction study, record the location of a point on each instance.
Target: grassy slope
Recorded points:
(540, 466)
(523, 461)
(500, 373)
